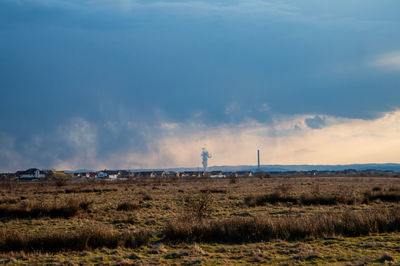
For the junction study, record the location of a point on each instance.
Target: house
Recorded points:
(217, 174)
(187, 174)
(158, 174)
(112, 174)
(101, 175)
(144, 174)
(244, 173)
(172, 174)
(125, 174)
(30, 174)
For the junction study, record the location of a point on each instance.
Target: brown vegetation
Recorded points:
(388, 196)
(128, 206)
(252, 229)
(38, 210)
(318, 199)
(89, 237)
(198, 207)
(169, 214)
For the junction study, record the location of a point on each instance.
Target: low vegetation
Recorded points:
(304, 199)
(87, 238)
(386, 196)
(347, 198)
(254, 229)
(37, 210)
(349, 220)
(128, 206)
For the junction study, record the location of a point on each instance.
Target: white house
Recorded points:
(102, 175)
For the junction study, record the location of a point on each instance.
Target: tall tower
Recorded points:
(258, 159)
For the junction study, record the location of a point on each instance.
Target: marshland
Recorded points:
(196, 221)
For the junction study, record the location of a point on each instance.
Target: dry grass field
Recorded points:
(202, 221)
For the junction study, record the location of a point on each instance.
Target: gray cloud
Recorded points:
(316, 122)
(91, 79)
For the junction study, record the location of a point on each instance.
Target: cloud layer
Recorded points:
(288, 140)
(96, 84)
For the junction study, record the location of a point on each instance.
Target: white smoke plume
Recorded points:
(205, 155)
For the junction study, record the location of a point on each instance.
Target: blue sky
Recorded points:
(128, 84)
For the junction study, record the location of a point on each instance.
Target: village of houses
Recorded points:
(35, 174)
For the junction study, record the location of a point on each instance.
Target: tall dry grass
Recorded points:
(89, 237)
(37, 210)
(249, 229)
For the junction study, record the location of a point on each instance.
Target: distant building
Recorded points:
(30, 174)
(244, 174)
(217, 174)
(101, 175)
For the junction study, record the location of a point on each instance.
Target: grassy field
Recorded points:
(202, 221)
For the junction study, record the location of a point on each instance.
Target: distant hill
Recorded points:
(275, 168)
(285, 168)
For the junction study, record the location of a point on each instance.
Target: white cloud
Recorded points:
(231, 108)
(288, 140)
(341, 141)
(388, 61)
(168, 126)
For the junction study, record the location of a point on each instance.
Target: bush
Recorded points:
(275, 197)
(38, 210)
(253, 229)
(128, 206)
(199, 207)
(388, 196)
(60, 182)
(89, 237)
(146, 196)
(53, 241)
(305, 199)
(233, 179)
(136, 240)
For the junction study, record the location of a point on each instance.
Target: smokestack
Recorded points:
(258, 158)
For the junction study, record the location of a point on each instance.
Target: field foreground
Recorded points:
(202, 221)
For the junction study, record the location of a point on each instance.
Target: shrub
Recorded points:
(61, 182)
(9, 201)
(305, 199)
(128, 206)
(146, 196)
(252, 229)
(199, 207)
(53, 241)
(136, 240)
(233, 179)
(388, 196)
(275, 197)
(89, 237)
(377, 189)
(38, 210)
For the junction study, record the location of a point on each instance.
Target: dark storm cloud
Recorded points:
(124, 67)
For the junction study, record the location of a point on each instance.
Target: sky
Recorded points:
(128, 84)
